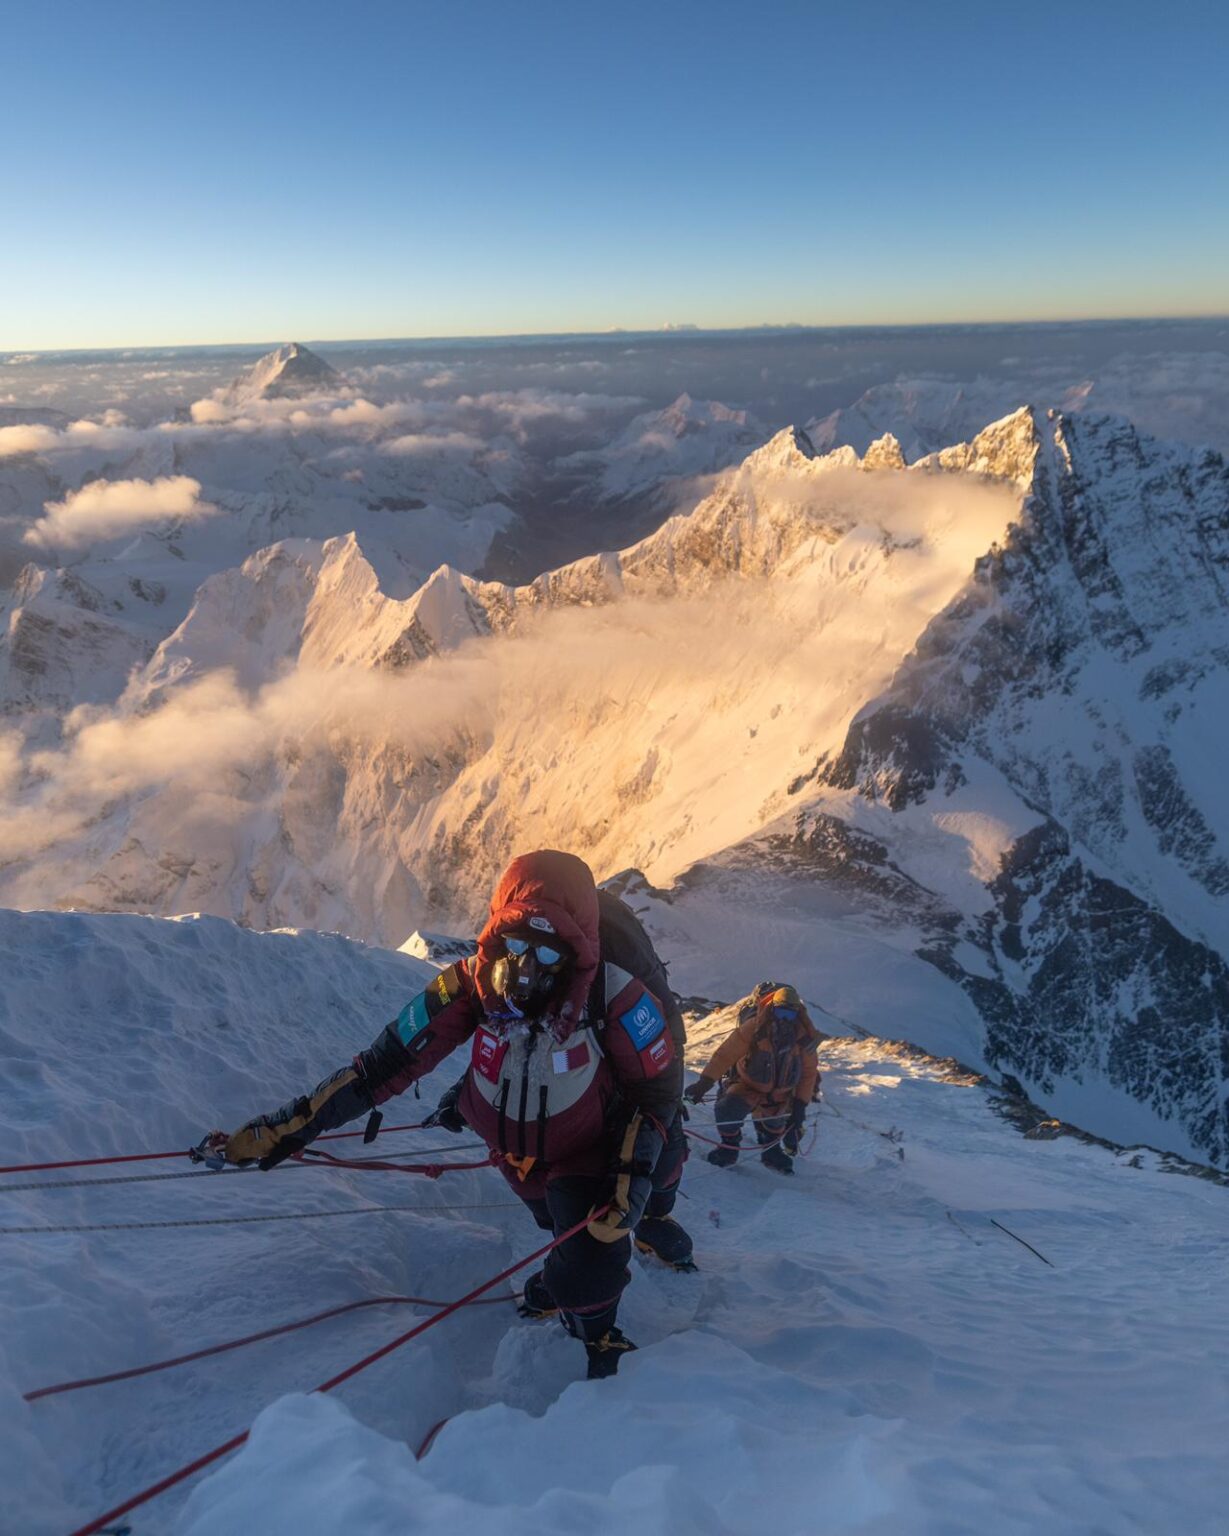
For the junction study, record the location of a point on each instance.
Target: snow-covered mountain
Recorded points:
(858, 1351)
(1035, 799)
(287, 372)
(659, 448)
(621, 646)
(966, 707)
(63, 643)
(1179, 397)
(924, 415)
(97, 512)
(1057, 736)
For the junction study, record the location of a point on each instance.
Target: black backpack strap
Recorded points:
(595, 1003)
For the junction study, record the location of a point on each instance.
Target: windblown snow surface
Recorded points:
(863, 1350)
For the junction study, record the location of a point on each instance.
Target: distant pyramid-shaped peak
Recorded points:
(287, 371)
(789, 449)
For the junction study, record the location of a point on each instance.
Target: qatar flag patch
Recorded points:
(574, 1057)
(657, 1056)
(488, 1055)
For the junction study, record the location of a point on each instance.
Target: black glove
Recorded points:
(793, 1133)
(694, 1092)
(446, 1114)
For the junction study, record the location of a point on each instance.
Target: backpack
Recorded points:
(623, 942)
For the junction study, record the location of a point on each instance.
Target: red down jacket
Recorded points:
(558, 1092)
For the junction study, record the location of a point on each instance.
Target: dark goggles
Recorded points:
(785, 1013)
(546, 954)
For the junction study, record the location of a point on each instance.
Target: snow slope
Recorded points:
(861, 1352)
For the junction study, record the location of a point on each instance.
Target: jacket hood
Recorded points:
(553, 892)
(787, 997)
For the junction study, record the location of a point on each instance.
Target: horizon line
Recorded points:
(657, 333)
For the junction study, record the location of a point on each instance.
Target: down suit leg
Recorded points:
(583, 1277)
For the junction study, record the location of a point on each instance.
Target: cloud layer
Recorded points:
(106, 509)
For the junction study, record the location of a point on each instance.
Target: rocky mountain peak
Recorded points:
(789, 449)
(1005, 450)
(884, 453)
(286, 372)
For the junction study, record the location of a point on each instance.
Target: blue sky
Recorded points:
(229, 172)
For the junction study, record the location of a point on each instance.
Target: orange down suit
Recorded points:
(769, 1079)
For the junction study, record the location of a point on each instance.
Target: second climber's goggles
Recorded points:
(546, 954)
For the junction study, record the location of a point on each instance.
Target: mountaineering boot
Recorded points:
(778, 1159)
(536, 1301)
(604, 1353)
(723, 1157)
(665, 1240)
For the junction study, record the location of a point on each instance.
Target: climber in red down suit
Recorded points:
(573, 1077)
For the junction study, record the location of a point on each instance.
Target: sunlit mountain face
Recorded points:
(900, 652)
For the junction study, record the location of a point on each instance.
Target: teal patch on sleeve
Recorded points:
(413, 1019)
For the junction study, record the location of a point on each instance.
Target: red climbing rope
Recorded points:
(146, 1157)
(428, 1440)
(250, 1338)
(183, 1473)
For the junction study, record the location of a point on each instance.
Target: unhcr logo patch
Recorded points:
(644, 1022)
